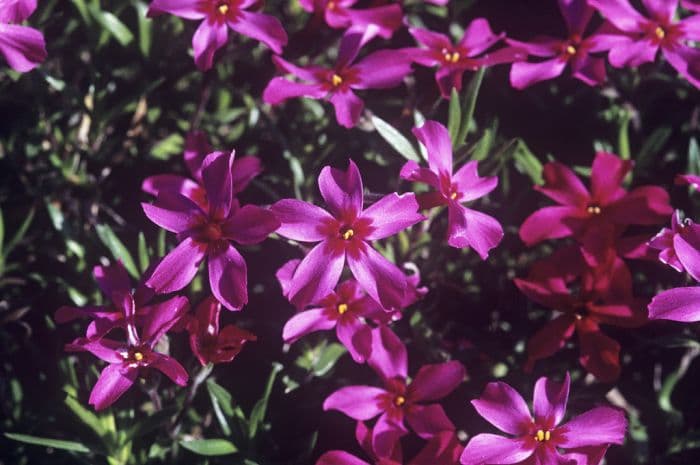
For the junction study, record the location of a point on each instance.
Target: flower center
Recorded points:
(331, 5)
(450, 57)
(594, 209)
(223, 8)
(347, 233)
(659, 33)
(211, 232)
(133, 356)
(336, 80)
(453, 195)
(342, 308)
(543, 436)
(571, 50)
(399, 401)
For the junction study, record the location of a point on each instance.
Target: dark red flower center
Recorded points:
(134, 356)
(450, 57)
(594, 209)
(210, 232)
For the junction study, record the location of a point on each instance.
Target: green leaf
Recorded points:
(219, 394)
(328, 358)
(112, 24)
(527, 163)
(469, 105)
(454, 121)
(395, 139)
(119, 251)
(166, 148)
(86, 416)
(2, 233)
(693, 156)
(48, 442)
(257, 415)
(210, 447)
(144, 260)
(623, 136)
(145, 28)
(19, 235)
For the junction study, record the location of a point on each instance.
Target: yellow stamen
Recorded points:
(138, 356)
(331, 6)
(451, 57)
(347, 235)
(342, 308)
(593, 210)
(399, 401)
(659, 32)
(571, 50)
(541, 436)
(223, 8)
(336, 80)
(453, 195)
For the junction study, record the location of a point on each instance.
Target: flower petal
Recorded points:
(550, 223)
(216, 177)
(490, 449)
(549, 339)
(188, 9)
(607, 173)
(428, 420)
(503, 407)
(600, 354)
(280, 89)
(524, 74)
(173, 211)
(306, 322)
(679, 304)
(389, 356)
(348, 108)
(265, 28)
(549, 401)
(563, 186)
(686, 60)
(411, 171)
(23, 47)
(601, 425)
(228, 277)
(177, 269)
(339, 457)
(356, 337)
(577, 14)
(170, 368)
(478, 37)
(243, 171)
(436, 139)
(112, 383)
(380, 278)
(250, 225)
(16, 11)
(382, 70)
(434, 382)
(316, 275)
(392, 214)
(470, 185)
(357, 402)
(471, 228)
(209, 37)
(161, 317)
(342, 191)
(620, 13)
(112, 278)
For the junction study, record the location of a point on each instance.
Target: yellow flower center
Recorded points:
(138, 356)
(593, 210)
(453, 195)
(223, 8)
(331, 5)
(571, 50)
(347, 234)
(399, 401)
(451, 57)
(342, 308)
(542, 436)
(336, 80)
(659, 32)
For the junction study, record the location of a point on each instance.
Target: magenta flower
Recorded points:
(638, 38)
(469, 54)
(584, 298)
(217, 17)
(466, 227)
(596, 217)
(390, 452)
(689, 179)
(23, 47)
(376, 21)
(573, 51)
(207, 341)
(205, 230)
(126, 360)
(539, 440)
(378, 70)
(345, 233)
(399, 400)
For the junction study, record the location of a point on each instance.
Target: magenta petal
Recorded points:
(380, 278)
(265, 28)
(177, 269)
(524, 74)
(687, 248)
(382, 70)
(633, 53)
(23, 47)
(356, 336)
(216, 176)
(188, 9)
(357, 402)
(411, 171)
(590, 70)
(601, 425)
(306, 322)
(680, 304)
(543, 47)
(549, 223)
(196, 149)
(662, 10)
(342, 190)
(348, 108)
(428, 420)
(16, 11)
(436, 139)
(491, 449)
(470, 228)
(620, 13)
(316, 275)
(549, 401)
(280, 89)
(243, 171)
(503, 407)
(607, 174)
(228, 277)
(161, 182)
(686, 60)
(392, 214)
(430, 39)
(301, 221)
(478, 37)
(112, 383)
(577, 14)
(563, 186)
(104, 349)
(434, 382)
(162, 317)
(170, 368)
(250, 225)
(339, 457)
(173, 212)
(112, 278)
(470, 185)
(385, 440)
(585, 455)
(208, 38)
(285, 273)
(389, 357)
(383, 19)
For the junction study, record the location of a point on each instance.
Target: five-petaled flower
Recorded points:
(466, 227)
(23, 47)
(205, 228)
(539, 440)
(378, 70)
(343, 234)
(217, 17)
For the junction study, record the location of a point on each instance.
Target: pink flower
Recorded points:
(218, 16)
(376, 21)
(378, 70)
(573, 51)
(389, 452)
(469, 54)
(635, 39)
(210, 344)
(538, 440)
(205, 226)
(345, 233)
(689, 179)
(466, 227)
(126, 360)
(398, 400)
(23, 47)
(584, 298)
(595, 218)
